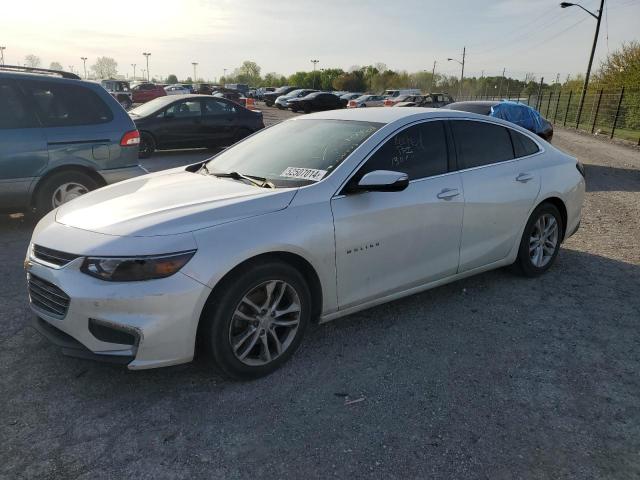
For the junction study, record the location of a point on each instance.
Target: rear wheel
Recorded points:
(147, 145)
(61, 188)
(307, 108)
(540, 241)
(256, 321)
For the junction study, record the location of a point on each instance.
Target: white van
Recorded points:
(395, 93)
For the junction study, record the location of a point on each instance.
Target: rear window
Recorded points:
(481, 143)
(523, 145)
(13, 111)
(63, 105)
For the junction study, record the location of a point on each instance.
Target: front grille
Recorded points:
(54, 257)
(47, 297)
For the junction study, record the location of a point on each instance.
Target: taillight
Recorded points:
(130, 139)
(388, 103)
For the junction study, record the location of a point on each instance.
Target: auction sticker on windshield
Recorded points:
(304, 173)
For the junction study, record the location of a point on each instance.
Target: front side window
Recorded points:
(184, 109)
(481, 143)
(296, 152)
(63, 105)
(13, 111)
(419, 151)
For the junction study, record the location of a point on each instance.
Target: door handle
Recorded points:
(448, 193)
(524, 177)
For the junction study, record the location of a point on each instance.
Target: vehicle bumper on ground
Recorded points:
(114, 175)
(143, 324)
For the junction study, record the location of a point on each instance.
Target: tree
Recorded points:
(105, 67)
(171, 79)
(351, 82)
(32, 61)
(55, 66)
(248, 72)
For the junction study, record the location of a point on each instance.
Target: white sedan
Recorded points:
(177, 90)
(313, 219)
(367, 101)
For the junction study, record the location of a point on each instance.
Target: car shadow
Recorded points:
(600, 178)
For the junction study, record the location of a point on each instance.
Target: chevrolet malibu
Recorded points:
(310, 220)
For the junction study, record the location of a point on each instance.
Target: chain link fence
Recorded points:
(614, 113)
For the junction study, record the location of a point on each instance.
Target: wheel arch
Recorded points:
(560, 205)
(61, 169)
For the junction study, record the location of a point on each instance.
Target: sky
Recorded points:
(283, 36)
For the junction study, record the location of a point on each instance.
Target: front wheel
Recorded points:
(256, 321)
(540, 241)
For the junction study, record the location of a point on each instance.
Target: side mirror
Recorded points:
(381, 181)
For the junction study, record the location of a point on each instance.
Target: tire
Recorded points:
(60, 188)
(531, 263)
(268, 104)
(294, 110)
(307, 109)
(126, 103)
(280, 107)
(364, 105)
(147, 145)
(222, 326)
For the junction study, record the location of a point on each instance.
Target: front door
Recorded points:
(182, 125)
(391, 241)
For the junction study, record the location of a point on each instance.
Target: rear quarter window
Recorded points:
(481, 143)
(64, 105)
(523, 145)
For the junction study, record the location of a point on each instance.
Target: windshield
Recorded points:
(149, 107)
(293, 93)
(296, 152)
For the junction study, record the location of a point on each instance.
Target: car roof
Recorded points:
(386, 115)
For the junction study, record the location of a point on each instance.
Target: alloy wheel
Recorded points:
(543, 241)
(265, 322)
(67, 192)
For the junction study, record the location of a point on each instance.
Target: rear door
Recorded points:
(219, 121)
(23, 152)
(499, 191)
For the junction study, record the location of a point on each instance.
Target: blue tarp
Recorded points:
(520, 114)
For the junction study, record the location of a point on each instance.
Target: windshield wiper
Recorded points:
(253, 179)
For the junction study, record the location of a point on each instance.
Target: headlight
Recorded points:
(133, 269)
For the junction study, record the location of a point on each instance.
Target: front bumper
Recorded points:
(163, 314)
(114, 175)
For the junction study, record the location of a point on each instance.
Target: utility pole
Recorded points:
(195, 78)
(593, 51)
(147, 55)
(2, 49)
(224, 75)
(315, 62)
(501, 80)
(433, 77)
(134, 71)
(84, 64)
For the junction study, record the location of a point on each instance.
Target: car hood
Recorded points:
(169, 203)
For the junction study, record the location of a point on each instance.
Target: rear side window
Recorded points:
(523, 145)
(419, 151)
(13, 111)
(481, 143)
(214, 107)
(62, 105)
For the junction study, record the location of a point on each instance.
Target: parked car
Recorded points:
(61, 137)
(240, 253)
(430, 100)
(120, 90)
(282, 102)
(203, 88)
(366, 101)
(314, 102)
(270, 98)
(177, 90)
(260, 92)
(392, 101)
(518, 113)
(344, 99)
(143, 92)
(243, 88)
(406, 91)
(192, 121)
(233, 95)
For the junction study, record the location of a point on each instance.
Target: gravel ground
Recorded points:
(491, 377)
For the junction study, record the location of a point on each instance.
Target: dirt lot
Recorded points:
(491, 377)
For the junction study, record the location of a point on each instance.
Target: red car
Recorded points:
(144, 92)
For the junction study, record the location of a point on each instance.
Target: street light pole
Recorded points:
(504, 70)
(464, 54)
(433, 77)
(315, 62)
(2, 49)
(194, 70)
(593, 51)
(84, 64)
(147, 55)
(134, 71)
